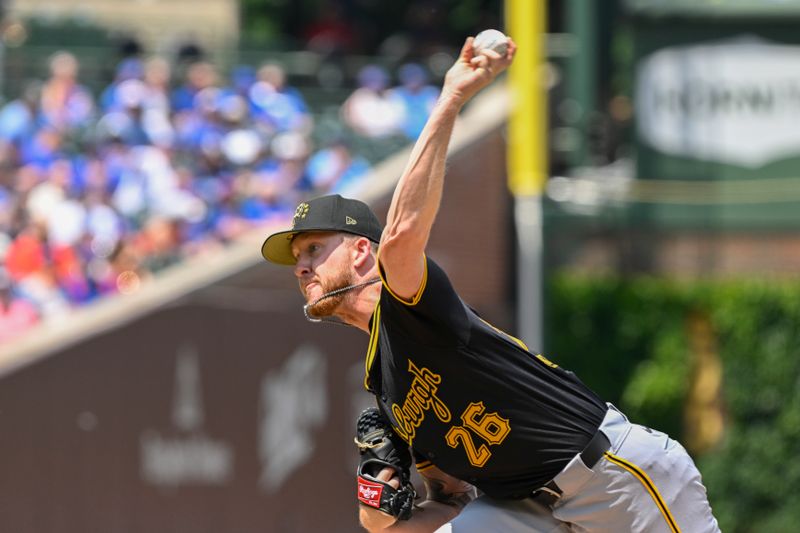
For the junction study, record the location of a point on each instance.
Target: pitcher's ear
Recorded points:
(363, 248)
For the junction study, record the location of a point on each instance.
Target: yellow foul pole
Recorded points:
(527, 158)
(527, 132)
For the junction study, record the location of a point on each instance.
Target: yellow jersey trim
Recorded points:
(512, 337)
(373, 343)
(424, 465)
(546, 361)
(645, 480)
(418, 296)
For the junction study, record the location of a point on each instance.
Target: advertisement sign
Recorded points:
(734, 101)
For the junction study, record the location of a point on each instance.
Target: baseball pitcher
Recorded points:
(505, 439)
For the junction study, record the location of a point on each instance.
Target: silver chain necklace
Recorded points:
(331, 294)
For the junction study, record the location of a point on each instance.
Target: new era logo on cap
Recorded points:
(350, 221)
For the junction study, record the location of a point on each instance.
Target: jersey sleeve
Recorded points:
(436, 308)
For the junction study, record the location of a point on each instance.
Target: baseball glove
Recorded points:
(381, 447)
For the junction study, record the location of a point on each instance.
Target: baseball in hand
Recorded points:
(491, 39)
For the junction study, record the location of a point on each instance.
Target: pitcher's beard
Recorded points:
(326, 306)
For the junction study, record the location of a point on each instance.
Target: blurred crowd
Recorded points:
(100, 192)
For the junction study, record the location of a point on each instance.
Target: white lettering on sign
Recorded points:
(293, 404)
(735, 101)
(194, 460)
(187, 401)
(190, 457)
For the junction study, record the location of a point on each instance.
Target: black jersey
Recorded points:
(472, 399)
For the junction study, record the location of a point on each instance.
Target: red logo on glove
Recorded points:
(369, 493)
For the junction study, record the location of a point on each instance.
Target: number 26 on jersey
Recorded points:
(479, 431)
